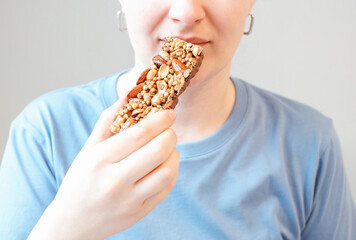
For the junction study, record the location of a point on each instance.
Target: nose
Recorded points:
(187, 12)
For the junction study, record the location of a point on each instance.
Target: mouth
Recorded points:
(194, 40)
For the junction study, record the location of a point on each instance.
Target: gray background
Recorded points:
(299, 48)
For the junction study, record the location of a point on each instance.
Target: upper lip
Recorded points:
(194, 40)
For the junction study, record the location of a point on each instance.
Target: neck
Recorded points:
(202, 108)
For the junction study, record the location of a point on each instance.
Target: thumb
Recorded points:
(101, 130)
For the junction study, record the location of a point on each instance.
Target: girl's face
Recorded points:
(216, 25)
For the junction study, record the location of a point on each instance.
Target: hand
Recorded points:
(115, 180)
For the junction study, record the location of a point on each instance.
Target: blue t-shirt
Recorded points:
(273, 171)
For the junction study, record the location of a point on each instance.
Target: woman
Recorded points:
(252, 165)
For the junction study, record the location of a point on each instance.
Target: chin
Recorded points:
(198, 78)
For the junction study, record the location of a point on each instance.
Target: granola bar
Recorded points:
(159, 86)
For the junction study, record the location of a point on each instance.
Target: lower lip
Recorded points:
(202, 44)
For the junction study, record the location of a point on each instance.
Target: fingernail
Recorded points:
(172, 114)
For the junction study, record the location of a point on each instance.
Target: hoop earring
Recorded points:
(119, 21)
(251, 25)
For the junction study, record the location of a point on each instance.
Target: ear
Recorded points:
(121, 4)
(252, 3)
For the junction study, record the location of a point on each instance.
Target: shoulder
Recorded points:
(67, 104)
(292, 119)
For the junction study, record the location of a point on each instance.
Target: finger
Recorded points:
(101, 130)
(149, 204)
(145, 160)
(125, 143)
(162, 177)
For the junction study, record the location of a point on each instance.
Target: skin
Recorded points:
(209, 99)
(130, 180)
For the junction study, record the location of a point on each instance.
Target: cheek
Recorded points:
(143, 23)
(230, 24)
(230, 15)
(137, 22)
(230, 27)
(141, 15)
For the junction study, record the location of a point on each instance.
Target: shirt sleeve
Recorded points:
(333, 214)
(27, 182)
